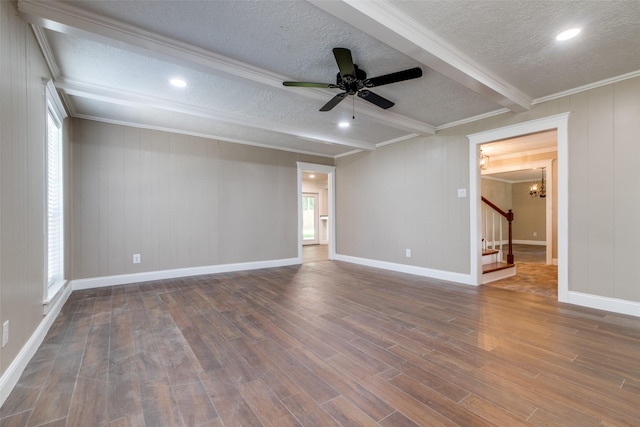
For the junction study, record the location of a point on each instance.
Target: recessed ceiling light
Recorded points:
(178, 82)
(344, 124)
(568, 34)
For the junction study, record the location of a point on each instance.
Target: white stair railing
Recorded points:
(493, 219)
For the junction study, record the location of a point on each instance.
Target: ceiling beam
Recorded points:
(129, 99)
(67, 19)
(384, 21)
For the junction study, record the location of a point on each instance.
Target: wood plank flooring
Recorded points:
(315, 253)
(328, 344)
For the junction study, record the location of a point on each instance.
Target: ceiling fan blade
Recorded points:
(381, 102)
(309, 84)
(412, 73)
(334, 101)
(345, 62)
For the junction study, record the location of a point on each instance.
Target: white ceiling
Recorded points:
(112, 60)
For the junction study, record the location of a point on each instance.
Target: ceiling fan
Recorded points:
(352, 80)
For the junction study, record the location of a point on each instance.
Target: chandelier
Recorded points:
(538, 189)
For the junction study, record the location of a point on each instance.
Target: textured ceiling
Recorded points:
(111, 61)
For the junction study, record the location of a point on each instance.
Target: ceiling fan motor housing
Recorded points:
(352, 84)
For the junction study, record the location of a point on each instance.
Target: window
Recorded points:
(54, 193)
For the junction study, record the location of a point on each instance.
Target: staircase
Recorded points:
(493, 267)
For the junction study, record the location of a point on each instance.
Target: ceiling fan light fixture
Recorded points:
(568, 34)
(353, 80)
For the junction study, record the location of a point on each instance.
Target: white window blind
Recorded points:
(54, 163)
(55, 217)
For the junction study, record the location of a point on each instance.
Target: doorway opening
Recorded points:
(316, 228)
(559, 123)
(527, 188)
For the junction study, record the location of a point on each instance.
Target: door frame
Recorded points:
(560, 122)
(331, 194)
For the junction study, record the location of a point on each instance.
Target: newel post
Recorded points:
(510, 253)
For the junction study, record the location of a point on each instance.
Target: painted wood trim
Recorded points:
(461, 278)
(124, 279)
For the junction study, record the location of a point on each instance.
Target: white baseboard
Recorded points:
(614, 305)
(586, 300)
(449, 276)
(519, 242)
(11, 376)
(124, 279)
(531, 242)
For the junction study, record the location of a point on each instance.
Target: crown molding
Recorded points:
(399, 139)
(198, 134)
(46, 51)
(387, 23)
(64, 18)
(472, 119)
(540, 100)
(587, 87)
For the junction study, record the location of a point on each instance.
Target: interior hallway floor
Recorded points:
(532, 274)
(314, 253)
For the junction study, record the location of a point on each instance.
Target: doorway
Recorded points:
(316, 212)
(310, 217)
(512, 188)
(558, 122)
(519, 175)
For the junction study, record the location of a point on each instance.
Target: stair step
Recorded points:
(495, 266)
(489, 251)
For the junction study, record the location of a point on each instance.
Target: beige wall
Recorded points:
(22, 191)
(404, 196)
(603, 200)
(497, 192)
(179, 201)
(529, 214)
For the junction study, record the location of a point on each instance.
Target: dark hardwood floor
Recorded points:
(328, 343)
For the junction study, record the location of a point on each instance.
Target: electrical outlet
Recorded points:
(407, 253)
(535, 234)
(136, 258)
(5, 333)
